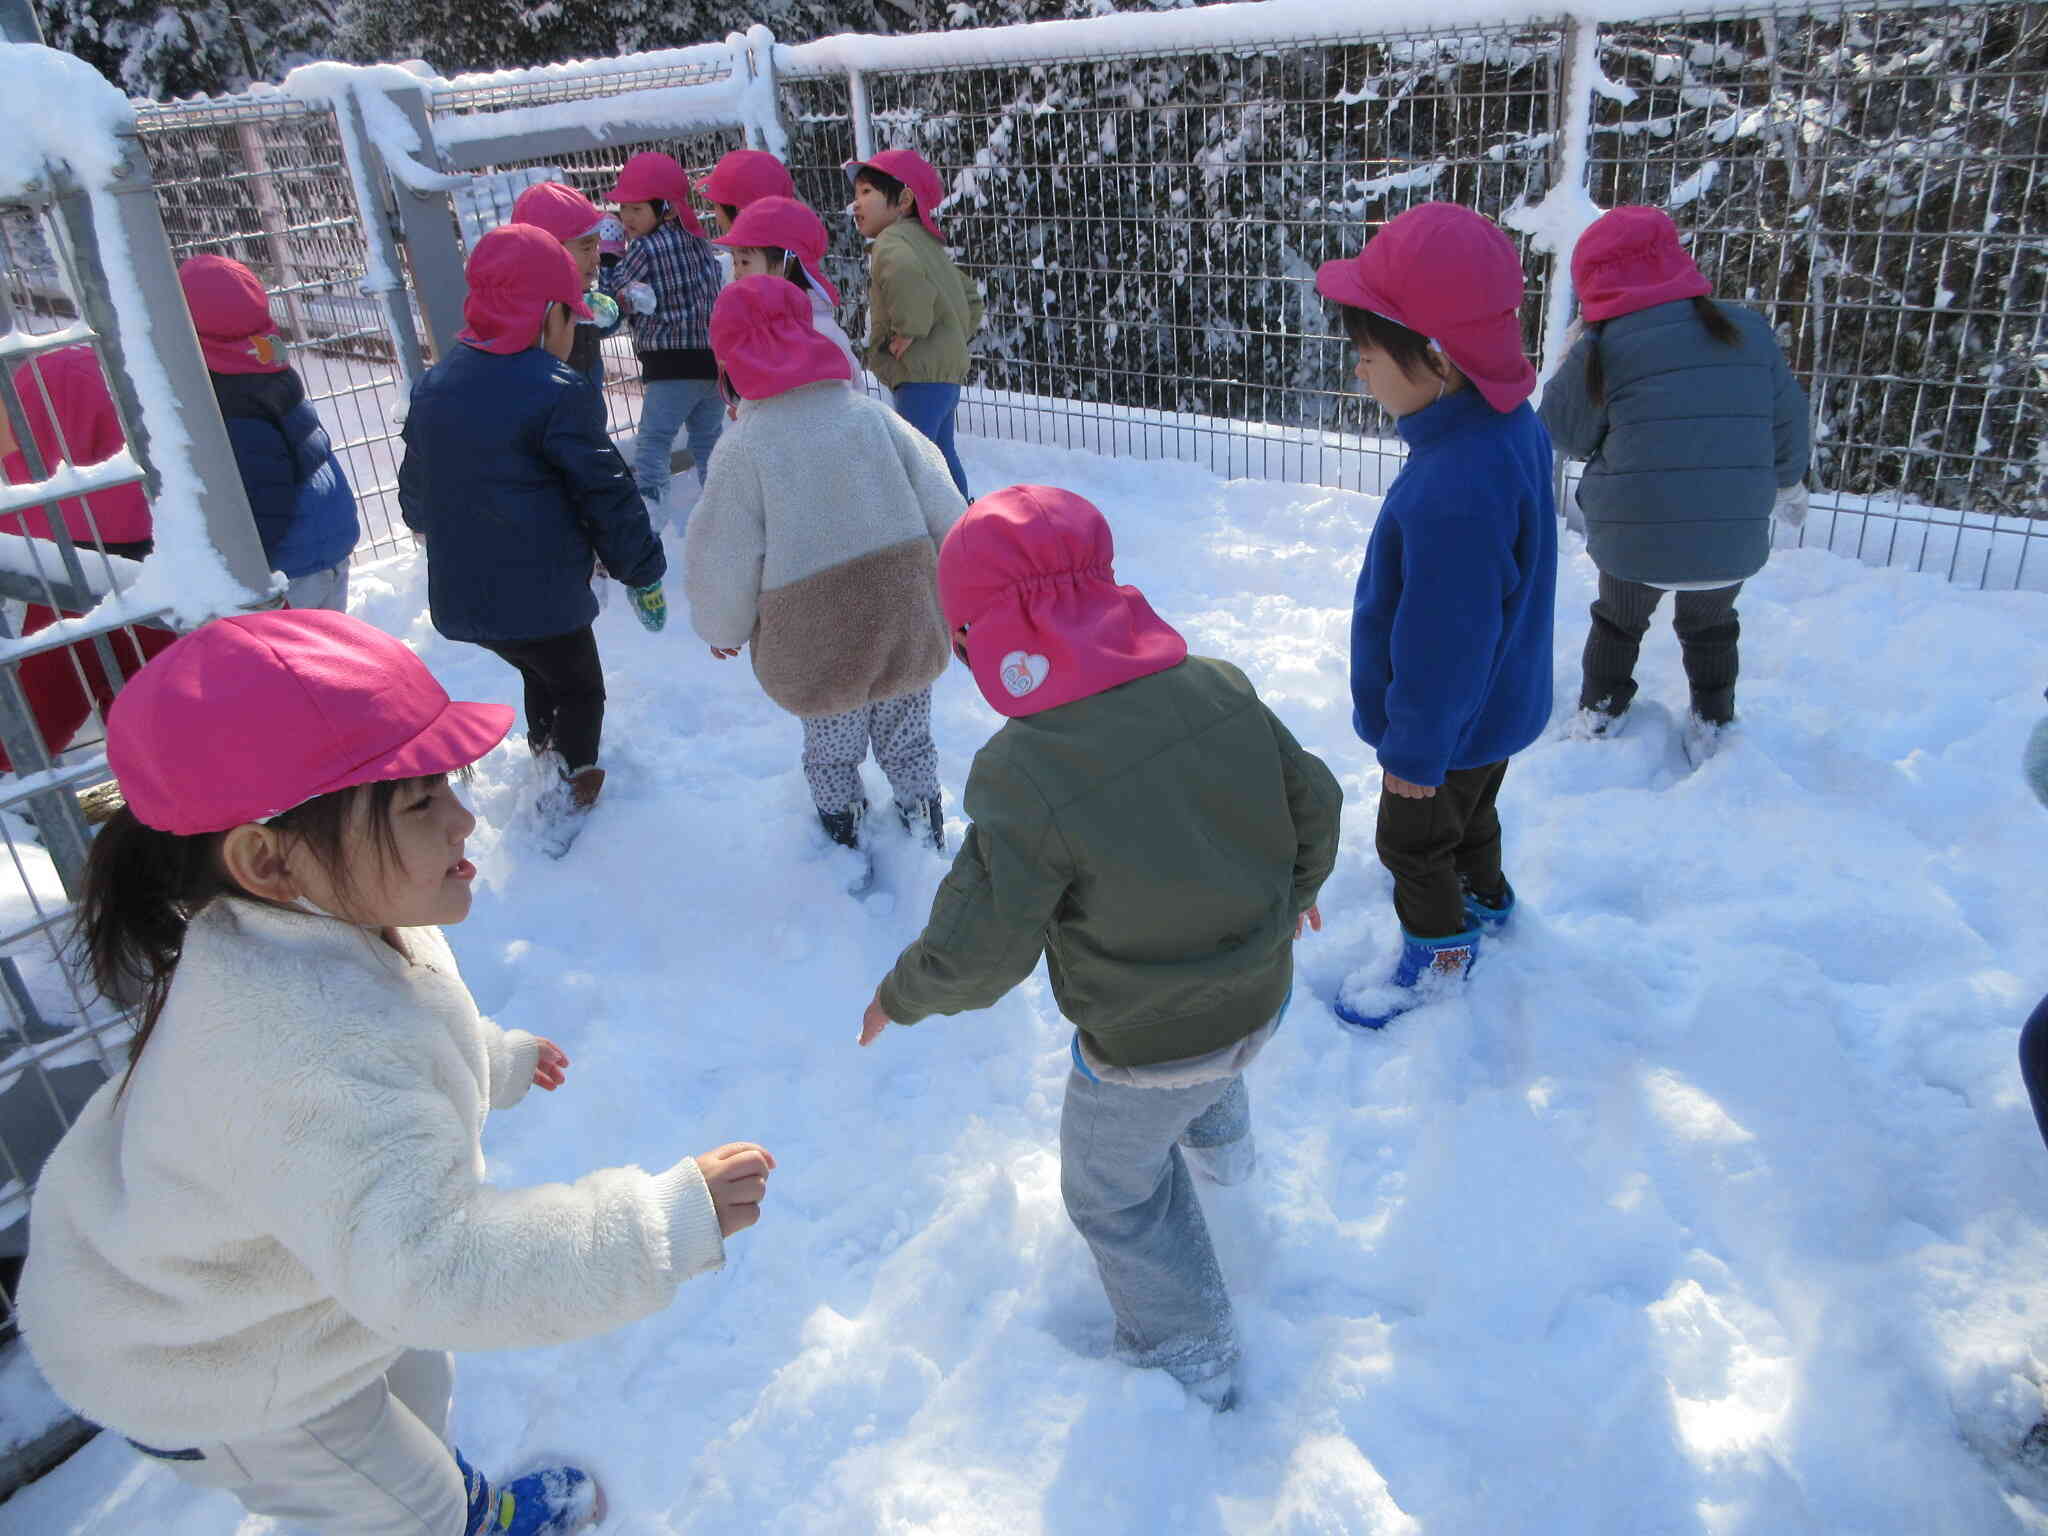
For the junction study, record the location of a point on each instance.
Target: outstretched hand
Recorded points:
(736, 1174)
(1313, 917)
(551, 1067)
(873, 1022)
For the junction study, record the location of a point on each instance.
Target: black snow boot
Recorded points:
(925, 821)
(843, 827)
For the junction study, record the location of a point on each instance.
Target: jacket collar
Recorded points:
(1453, 414)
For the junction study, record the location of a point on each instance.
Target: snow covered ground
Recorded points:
(1715, 1206)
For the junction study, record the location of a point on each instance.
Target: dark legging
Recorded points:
(564, 693)
(2034, 1063)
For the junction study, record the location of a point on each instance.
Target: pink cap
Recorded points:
(762, 336)
(251, 715)
(650, 175)
(80, 411)
(1029, 571)
(1452, 275)
(787, 225)
(515, 272)
(231, 313)
(1630, 258)
(743, 176)
(562, 211)
(916, 173)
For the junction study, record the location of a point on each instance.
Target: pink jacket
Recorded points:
(91, 432)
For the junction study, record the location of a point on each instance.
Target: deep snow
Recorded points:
(1715, 1206)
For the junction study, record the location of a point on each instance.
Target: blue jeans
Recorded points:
(1128, 1191)
(668, 406)
(930, 408)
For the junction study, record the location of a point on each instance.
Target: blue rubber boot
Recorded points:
(553, 1501)
(1426, 971)
(1488, 916)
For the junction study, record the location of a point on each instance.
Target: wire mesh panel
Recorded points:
(62, 546)
(593, 172)
(1872, 180)
(265, 182)
(1146, 227)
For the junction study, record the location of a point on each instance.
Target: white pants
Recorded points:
(375, 1465)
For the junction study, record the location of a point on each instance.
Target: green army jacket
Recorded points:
(1156, 844)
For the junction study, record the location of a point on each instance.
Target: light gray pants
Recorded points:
(321, 589)
(376, 1465)
(901, 732)
(1128, 1190)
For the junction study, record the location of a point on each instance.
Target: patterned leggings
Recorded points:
(901, 731)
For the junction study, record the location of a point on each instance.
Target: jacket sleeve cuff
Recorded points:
(513, 1059)
(899, 1008)
(694, 1242)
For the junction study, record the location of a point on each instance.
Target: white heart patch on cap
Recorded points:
(1022, 673)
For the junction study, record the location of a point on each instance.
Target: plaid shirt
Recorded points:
(683, 273)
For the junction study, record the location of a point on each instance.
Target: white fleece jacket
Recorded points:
(291, 1193)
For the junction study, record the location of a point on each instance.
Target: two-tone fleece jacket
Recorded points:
(915, 290)
(1451, 623)
(1688, 446)
(816, 541)
(1156, 843)
(291, 1194)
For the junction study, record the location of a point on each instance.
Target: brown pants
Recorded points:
(1427, 845)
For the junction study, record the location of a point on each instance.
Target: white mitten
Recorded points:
(639, 298)
(1790, 507)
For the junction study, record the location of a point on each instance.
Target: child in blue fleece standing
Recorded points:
(1451, 626)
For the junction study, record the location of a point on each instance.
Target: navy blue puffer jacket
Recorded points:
(511, 478)
(305, 512)
(1687, 450)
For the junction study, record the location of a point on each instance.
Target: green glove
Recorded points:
(650, 606)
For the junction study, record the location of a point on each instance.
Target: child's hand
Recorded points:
(737, 1176)
(1396, 785)
(551, 1067)
(725, 652)
(873, 1022)
(639, 298)
(898, 345)
(1313, 917)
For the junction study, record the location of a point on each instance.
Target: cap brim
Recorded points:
(1339, 280)
(455, 738)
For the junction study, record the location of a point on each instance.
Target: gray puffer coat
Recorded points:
(1689, 448)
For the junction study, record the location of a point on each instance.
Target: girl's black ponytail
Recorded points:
(142, 887)
(1716, 320)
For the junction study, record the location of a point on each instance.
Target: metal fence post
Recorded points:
(230, 525)
(1573, 112)
(380, 229)
(426, 223)
(861, 113)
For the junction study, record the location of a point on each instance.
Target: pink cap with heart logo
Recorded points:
(1029, 571)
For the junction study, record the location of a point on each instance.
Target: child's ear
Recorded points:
(255, 861)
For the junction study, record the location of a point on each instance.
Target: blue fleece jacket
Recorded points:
(305, 512)
(1450, 630)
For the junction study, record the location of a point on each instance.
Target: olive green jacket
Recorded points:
(915, 290)
(1156, 843)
